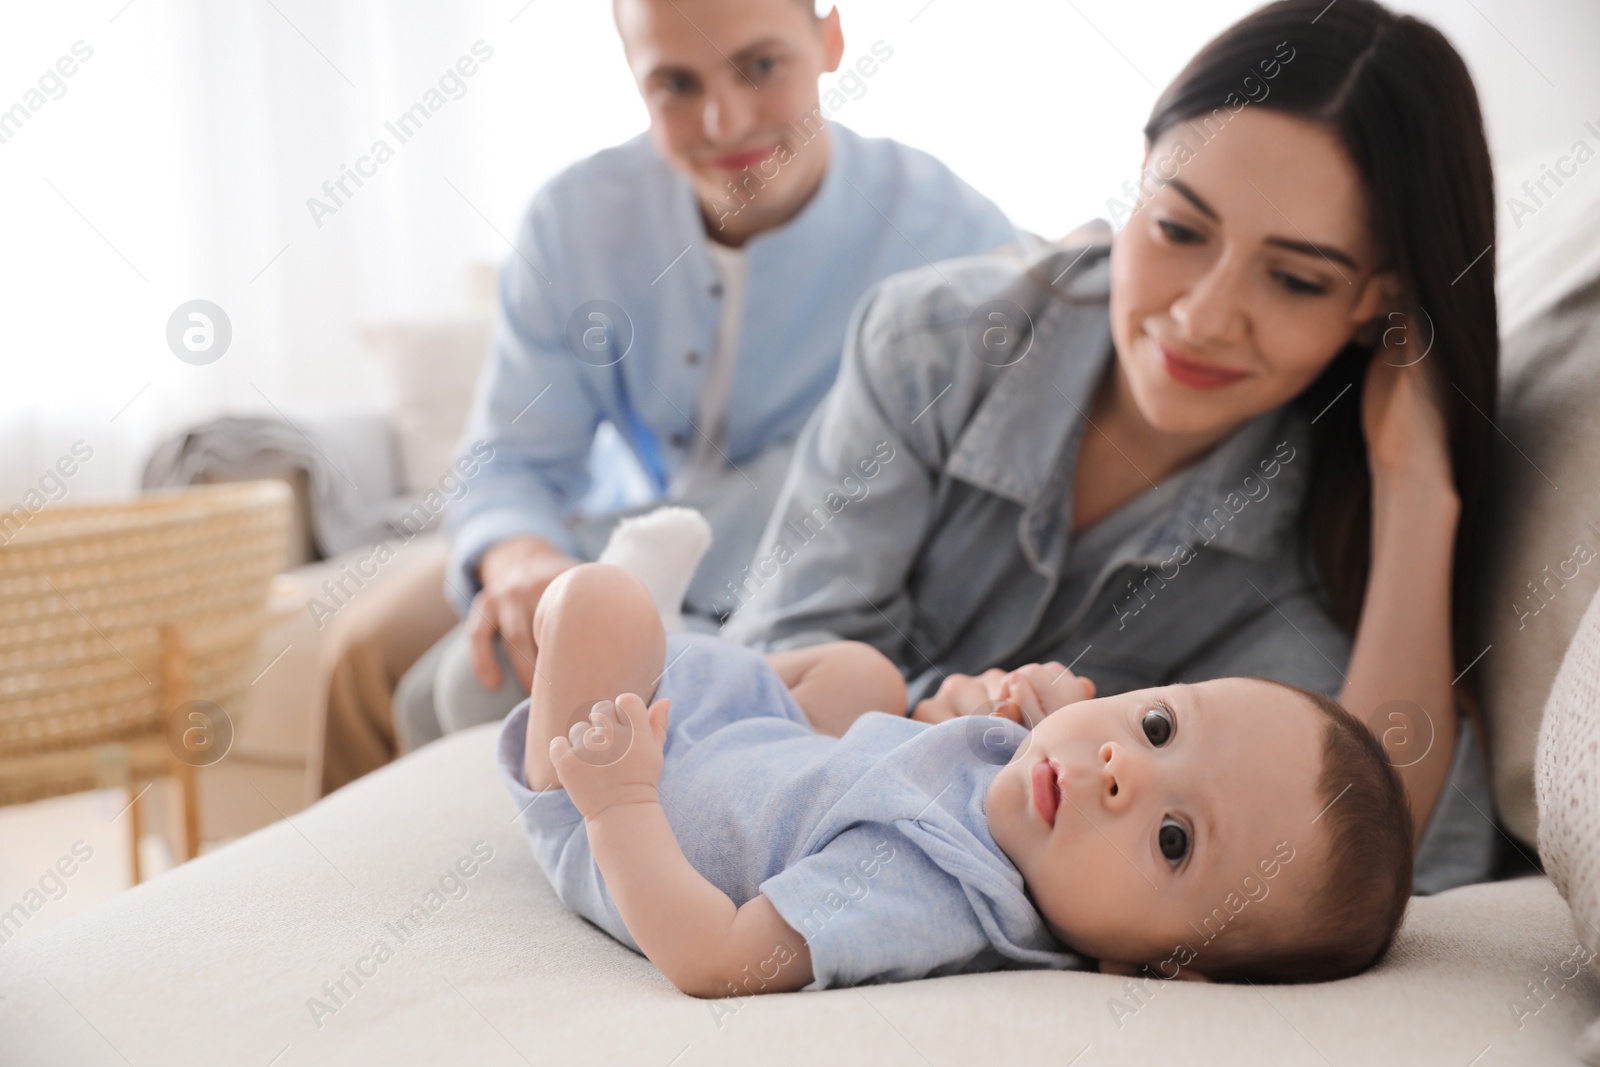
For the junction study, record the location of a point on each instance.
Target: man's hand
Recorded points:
(515, 574)
(615, 757)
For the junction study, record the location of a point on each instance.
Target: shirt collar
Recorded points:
(813, 226)
(1022, 441)
(1013, 442)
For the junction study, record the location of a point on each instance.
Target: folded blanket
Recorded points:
(349, 459)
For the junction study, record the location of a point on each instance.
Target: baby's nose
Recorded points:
(1115, 776)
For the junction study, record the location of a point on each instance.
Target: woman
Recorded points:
(1248, 438)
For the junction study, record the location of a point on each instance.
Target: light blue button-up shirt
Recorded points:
(609, 309)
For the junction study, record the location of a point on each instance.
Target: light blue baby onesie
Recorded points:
(874, 846)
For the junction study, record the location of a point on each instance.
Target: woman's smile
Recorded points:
(1198, 375)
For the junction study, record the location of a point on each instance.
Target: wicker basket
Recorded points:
(109, 614)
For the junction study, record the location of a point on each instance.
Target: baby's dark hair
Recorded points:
(1365, 831)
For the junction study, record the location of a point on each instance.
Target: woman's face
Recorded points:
(1245, 271)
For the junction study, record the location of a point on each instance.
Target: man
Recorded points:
(690, 288)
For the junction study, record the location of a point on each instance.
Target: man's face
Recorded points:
(1132, 818)
(731, 86)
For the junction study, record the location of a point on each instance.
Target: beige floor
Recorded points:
(259, 781)
(33, 837)
(236, 797)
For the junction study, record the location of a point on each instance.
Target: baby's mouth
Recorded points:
(1046, 780)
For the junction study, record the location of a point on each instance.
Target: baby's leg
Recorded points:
(599, 635)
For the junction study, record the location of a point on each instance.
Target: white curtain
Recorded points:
(176, 162)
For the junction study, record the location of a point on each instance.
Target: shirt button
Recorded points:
(691, 357)
(716, 289)
(679, 439)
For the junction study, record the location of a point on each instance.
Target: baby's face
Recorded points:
(1132, 817)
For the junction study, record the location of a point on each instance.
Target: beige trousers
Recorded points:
(372, 642)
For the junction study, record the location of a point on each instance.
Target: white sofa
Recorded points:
(218, 962)
(236, 957)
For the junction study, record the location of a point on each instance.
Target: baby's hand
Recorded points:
(614, 758)
(1024, 695)
(1037, 689)
(961, 694)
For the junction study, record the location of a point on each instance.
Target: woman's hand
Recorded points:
(1400, 414)
(614, 758)
(1402, 649)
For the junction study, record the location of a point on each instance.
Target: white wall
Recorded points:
(178, 164)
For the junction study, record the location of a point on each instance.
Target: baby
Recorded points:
(758, 824)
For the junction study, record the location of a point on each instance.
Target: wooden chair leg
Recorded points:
(134, 829)
(184, 776)
(175, 691)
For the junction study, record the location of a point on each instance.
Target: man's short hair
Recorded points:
(810, 6)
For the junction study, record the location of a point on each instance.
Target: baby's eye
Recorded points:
(1158, 725)
(1173, 840)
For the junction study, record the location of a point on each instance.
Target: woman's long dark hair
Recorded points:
(1400, 100)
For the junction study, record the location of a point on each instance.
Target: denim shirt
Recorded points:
(950, 555)
(609, 308)
(928, 513)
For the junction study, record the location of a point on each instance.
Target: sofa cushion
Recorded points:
(432, 367)
(1548, 244)
(271, 946)
(1544, 563)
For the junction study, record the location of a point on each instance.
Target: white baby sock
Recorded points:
(661, 549)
